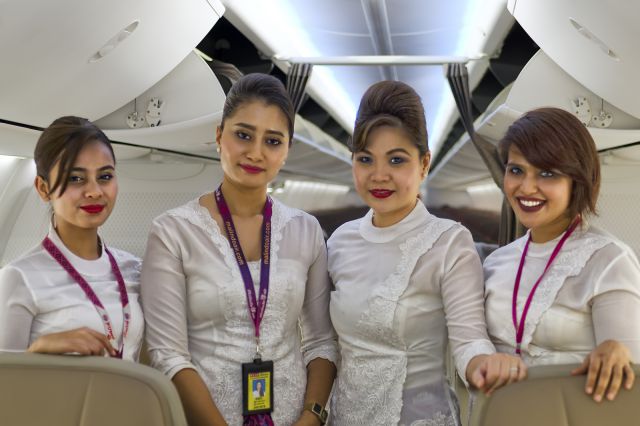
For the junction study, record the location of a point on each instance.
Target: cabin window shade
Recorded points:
(458, 78)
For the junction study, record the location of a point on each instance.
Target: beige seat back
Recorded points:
(550, 396)
(57, 390)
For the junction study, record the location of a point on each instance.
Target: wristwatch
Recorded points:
(318, 410)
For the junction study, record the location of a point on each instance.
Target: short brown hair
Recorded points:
(390, 103)
(263, 87)
(61, 142)
(554, 139)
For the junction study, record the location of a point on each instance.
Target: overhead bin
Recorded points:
(91, 57)
(540, 83)
(191, 101)
(593, 41)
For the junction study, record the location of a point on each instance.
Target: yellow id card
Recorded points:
(259, 395)
(257, 387)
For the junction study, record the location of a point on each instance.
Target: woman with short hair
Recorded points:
(567, 291)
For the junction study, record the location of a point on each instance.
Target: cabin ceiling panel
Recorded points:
(375, 27)
(589, 39)
(90, 57)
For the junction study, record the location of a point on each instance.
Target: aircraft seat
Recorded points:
(59, 390)
(550, 396)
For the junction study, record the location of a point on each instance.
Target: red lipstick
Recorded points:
(251, 169)
(381, 193)
(93, 208)
(530, 205)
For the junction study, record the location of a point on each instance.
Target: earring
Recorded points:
(218, 149)
(283, 163)
(53, 220)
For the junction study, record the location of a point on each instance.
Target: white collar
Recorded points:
(98, 266)
(374, 234)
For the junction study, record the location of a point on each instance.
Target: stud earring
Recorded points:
(283, 163)
(218, 149)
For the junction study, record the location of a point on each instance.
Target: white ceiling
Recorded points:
(294, 28)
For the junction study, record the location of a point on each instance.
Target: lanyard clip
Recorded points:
(258, 355)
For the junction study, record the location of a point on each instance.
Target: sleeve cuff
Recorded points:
(474, 349)
(327, 351)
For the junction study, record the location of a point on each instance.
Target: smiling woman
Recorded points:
(567, 291)
(406, 282)
(72, 294)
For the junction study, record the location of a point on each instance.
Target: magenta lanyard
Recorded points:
(256, 307)
(93, 297)
(519, 326)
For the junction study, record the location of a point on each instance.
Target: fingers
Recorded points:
(501, 370)
(592, 374)
(630, 376)
(103, 342)
(583, 368)
(522, 370)
(616, 382)
(477, 379)
(84, 341)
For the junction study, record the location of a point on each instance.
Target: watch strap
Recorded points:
(318, 410)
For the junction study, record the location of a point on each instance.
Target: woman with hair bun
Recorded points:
(567, 291)
(235, 284)
(406, 282)
(72, 293)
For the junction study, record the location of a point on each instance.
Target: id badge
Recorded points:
(257, 387)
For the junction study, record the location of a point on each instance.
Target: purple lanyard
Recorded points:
(514, 301)
(93, 297)
(256, 307)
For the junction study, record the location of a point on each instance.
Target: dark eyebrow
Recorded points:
(253, 128)
(393, 151)
(83, 170)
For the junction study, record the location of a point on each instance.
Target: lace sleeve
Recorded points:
(318, 336)
(163, 292)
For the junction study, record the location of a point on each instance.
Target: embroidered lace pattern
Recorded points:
(369, 387)
(281, 344)
(569, 263)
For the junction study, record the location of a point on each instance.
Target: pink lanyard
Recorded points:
(92, 296)
(519, 326)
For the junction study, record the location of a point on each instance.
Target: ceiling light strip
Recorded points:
(379, 60)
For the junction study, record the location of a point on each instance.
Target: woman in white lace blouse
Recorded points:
(72, 294)
(586, 305)
(197, 281)
(406, 282)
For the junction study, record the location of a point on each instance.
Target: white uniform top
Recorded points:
(590, 294)
(402, 292)
(38, 297)
(196, 308)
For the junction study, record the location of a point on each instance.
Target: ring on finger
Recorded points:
(514, 369)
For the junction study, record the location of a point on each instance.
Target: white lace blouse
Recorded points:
(38, 297)
(590, 294)
(195, 306)
(401, 292)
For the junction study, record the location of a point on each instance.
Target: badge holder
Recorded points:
(257, 386)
